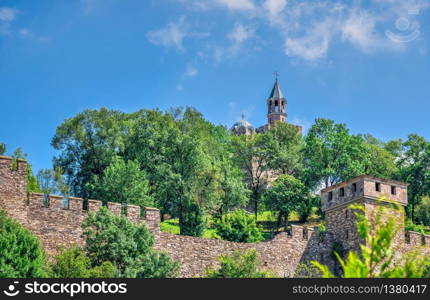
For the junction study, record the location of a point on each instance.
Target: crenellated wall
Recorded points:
(58, 225)
(46, 216)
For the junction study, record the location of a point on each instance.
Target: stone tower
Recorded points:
(277, 106)
(366, 190)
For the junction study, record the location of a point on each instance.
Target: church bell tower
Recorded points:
(277, 106)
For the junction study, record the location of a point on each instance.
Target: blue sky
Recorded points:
(363, 63)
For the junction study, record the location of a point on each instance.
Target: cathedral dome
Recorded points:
(242, 127)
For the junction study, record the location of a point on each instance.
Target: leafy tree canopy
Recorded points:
(126, 245)
(122, 182)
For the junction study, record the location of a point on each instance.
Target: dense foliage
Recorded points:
(238, 226)
(422, 211)
(241, 264)
(21, 255)
(190, 168)
(73, 263)
(287, 194)
(124, 182)
(126, 245)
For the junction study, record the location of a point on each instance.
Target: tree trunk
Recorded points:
(255, 205)
(286, 220)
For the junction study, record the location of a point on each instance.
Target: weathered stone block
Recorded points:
(115, 208)
(56, 202)
(76, 204)
(133, 213)
(94, 205)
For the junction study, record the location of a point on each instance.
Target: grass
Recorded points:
(172, 226)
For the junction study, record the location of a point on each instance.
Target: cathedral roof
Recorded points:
(276, 92)
(242, 123)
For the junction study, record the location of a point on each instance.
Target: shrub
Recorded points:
(238, 226)
(307, 270)
(21, 255)
(127, 245)
(72, 263)
(239, 265)
(192, 222)
(416, 227)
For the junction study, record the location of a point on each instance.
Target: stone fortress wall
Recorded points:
(56, 226)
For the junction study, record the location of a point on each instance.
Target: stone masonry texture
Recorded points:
(57, 223)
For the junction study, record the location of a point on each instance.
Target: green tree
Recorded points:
(240, 264)
(51, 181)
(72, 263)
(285, 196)
(122, 182)
(178, 152)
(422, 211)
(238, 226)
(192, 222)
(250, 155)
(377, 256)
(414, 164)
(21, 255)
(284, 149)
(331, 154)
(126, 245)
(87, 144)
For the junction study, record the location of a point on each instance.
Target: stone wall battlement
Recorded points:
(79, 205)
(57, 223)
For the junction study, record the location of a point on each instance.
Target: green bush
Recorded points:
(416, 227)
(72, 263)
(239, 265)
(307, 270)
(238, 226)
(422, 211)
(127, 245)
(21, 255)
(192, 222)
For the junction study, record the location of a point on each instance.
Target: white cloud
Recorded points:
(7, 14)
(359, 30)
(27, 33)
(240, 34)
(309, 30)
(191, 71)
(274, 7)
(313, 44)
(179, 88)
(237, 4)
(172, 35)
(233, 5)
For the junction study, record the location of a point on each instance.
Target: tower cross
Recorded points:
(276, 75)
